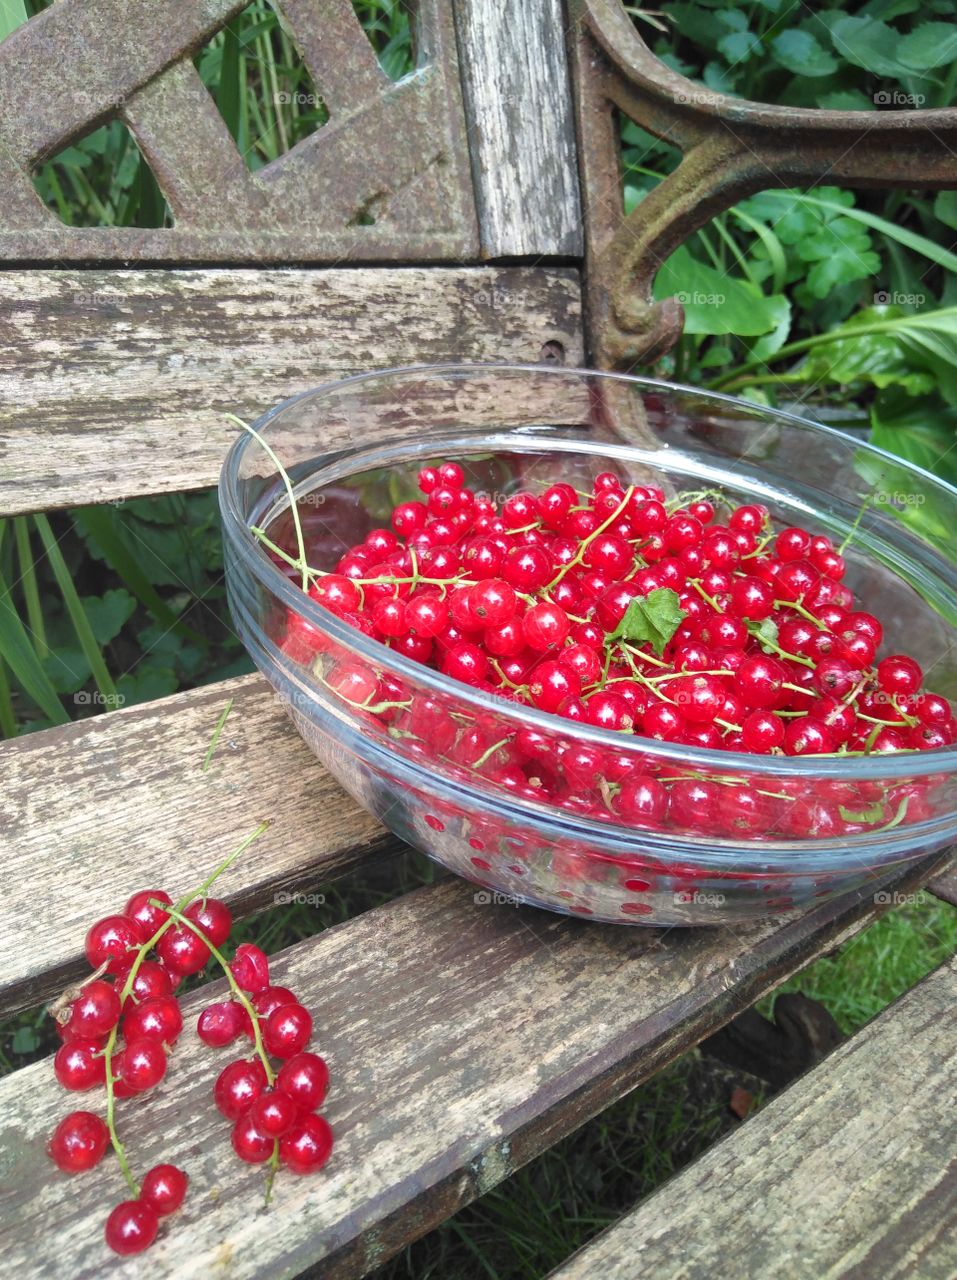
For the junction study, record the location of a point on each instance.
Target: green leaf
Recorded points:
(716, 303)
(652, 619)
(877, 358)
(945, 208)
(67, 667)
(13, 14)
(108, 613)
(843, 266)
(930, 45)
(869, 44)
(25, 1040)
(146, 685)
(873, 814)
(739, 46)
(798, 51)
(766, 632)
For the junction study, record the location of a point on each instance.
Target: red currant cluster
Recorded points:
(119, 1027)
(273, 1113)
(620, 609)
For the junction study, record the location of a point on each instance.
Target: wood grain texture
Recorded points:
(463, 1039)
(115, 383)
(93, 811)
(944, 886)
(850, 1173)
(519, 113)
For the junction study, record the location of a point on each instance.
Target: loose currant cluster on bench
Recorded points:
(119, 1027)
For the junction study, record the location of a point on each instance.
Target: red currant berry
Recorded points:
(526, 568)
(78, 1142)
(141, 1065)
(182, 951)
(307, 1146)
(249, 1142)
(220, 1024)
(164, 1189)
(545, 626)
(109, 940)
(265, 1002)
(151, 980)
(213, 917)
(899, 675)
(287, 1030)
(250, 967)
(131, 1227)
(642, 802)
(806, 736)
(305, 1079)
(751, 598)
(79, 1065)
(762, 732)
(238, 1086)
(758, 681)
(425, 616)
(274, 1113)
(156, 1019)
(466, 662)
(147, 918)
(792, 544)
(408, 517)
(95, 1011)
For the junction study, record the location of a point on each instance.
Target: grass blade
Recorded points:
(214, 741)
(31, 592)
(74, 606)
(8, 725)
(20, 656)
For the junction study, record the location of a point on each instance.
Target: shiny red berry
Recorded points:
(307, 1146)
(158, 1018)
(182, 951)
(249, 1142)
(305, 1079)
(78, 1142)
(238, 1086)
(220, 1024)
(110, 940)
(146, 917)
(94, 1012)
(213, 917)
(79, 1065)
(164, 1189)
(287, 1030)
(274, 1113)
(131, 1227)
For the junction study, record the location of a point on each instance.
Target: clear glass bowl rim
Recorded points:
(888, 767)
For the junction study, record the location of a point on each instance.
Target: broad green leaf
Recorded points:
(108, 613)
(717, 303)
(68, 668)
(146, 685)
(739, 46)
(911, 239)
(945, 208)
(696, 24)
(13, 14)
(868, 44)
(842, 266)
(652, 619)
(766, 632)
(929, 45)
(877, 358)
(846, 100)
(798, 51)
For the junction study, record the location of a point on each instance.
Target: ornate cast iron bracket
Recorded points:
(731, 148)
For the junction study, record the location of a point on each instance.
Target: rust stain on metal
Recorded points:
(731, 149)
(387, 177)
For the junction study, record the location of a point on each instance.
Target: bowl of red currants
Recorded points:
(606, 645)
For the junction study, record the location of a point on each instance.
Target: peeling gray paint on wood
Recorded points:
(93, 811)
(116, 384)
(520, 126)
(849, 1173)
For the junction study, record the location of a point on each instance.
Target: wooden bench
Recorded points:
(849, 1173)
(463, 1041)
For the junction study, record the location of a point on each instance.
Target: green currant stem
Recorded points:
(284, 555)
(640, 653)
(798, 607)
(580, 553)
(503, 677)
(214, 741)
(696, 583)
(293, 505)
(759, 548)
(490, 752)
(238, 993)
(767, 643)
(908, 723)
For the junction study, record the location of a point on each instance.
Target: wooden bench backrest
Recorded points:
(117, 383)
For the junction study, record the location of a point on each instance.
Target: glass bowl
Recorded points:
(743, 835)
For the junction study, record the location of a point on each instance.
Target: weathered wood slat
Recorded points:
(115, 383)
(850, 1173)
(521, 126)
(463, 1039)
(944, 886)
(93, 811)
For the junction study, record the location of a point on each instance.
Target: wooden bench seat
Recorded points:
(463, 1039)
(850, 1173)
